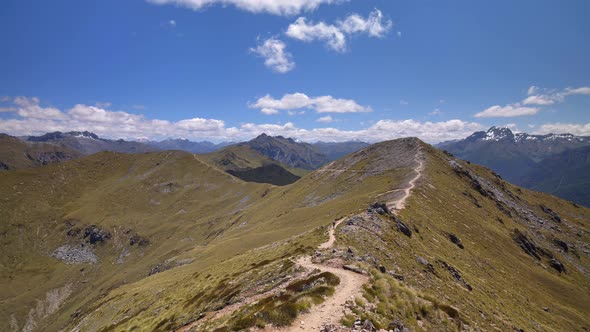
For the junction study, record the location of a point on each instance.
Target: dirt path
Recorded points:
(332, 238)
(399, 204)
(330, 312)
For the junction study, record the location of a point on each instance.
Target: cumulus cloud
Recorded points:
(34, 119)
(29, 108)
(563, 128)
(118, 124)
(335, 35)
(507, 111)
(275, 55)
(543, 97)
(322, 104)
(275, 7)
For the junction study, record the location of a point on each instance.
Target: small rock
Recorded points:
(354, 269)
(546, 309)
(456, 240)
(368, 326)
(557, 265)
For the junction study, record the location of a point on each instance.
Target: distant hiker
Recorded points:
(334, 224)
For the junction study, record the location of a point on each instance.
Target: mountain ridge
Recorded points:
(517, 157)
(211, 241)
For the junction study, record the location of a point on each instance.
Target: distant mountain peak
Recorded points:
(499, 134)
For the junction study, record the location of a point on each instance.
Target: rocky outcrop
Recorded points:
(551, 213)
(94, 235)
(456, 275)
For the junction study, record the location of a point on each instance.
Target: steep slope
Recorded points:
(337, 150)
(565, 175)
(16, 154)
(287, 151)
(465, 251)
(89, 143)
(250, 165)
(490, 254)
(76, 229)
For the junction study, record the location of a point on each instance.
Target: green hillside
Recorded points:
(252, 166)
(164, 240)
(17, 154)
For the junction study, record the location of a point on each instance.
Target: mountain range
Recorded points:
(553, 163)
(398, 235)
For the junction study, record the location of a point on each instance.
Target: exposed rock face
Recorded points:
(455, 274)
(557, 265)
(379, 208)
(75, 255)
(95, 234)
(552, 213)
(529, 247)
(402, 227)
(525, 244)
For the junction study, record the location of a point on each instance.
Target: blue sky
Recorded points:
(354, 69)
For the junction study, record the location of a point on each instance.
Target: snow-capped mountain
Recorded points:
(516, 157)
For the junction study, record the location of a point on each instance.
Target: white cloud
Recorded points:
(382, 130)
(403, 102)
(117, 124)
(564, 128)
(275, 55)
(539, 100)
(303, 31)
(325, 119)
(7, 109)
(276, 7)
(507, 111)
(374, 25)
(172, 23)
(335, 35)
(543, 97)
(585, 90)
(269, 111)
(322, 104)
(29, 108)
(532, 90)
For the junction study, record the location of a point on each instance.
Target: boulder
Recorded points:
(95, 234)
(456, 240)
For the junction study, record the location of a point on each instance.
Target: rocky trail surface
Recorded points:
(330, 312)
